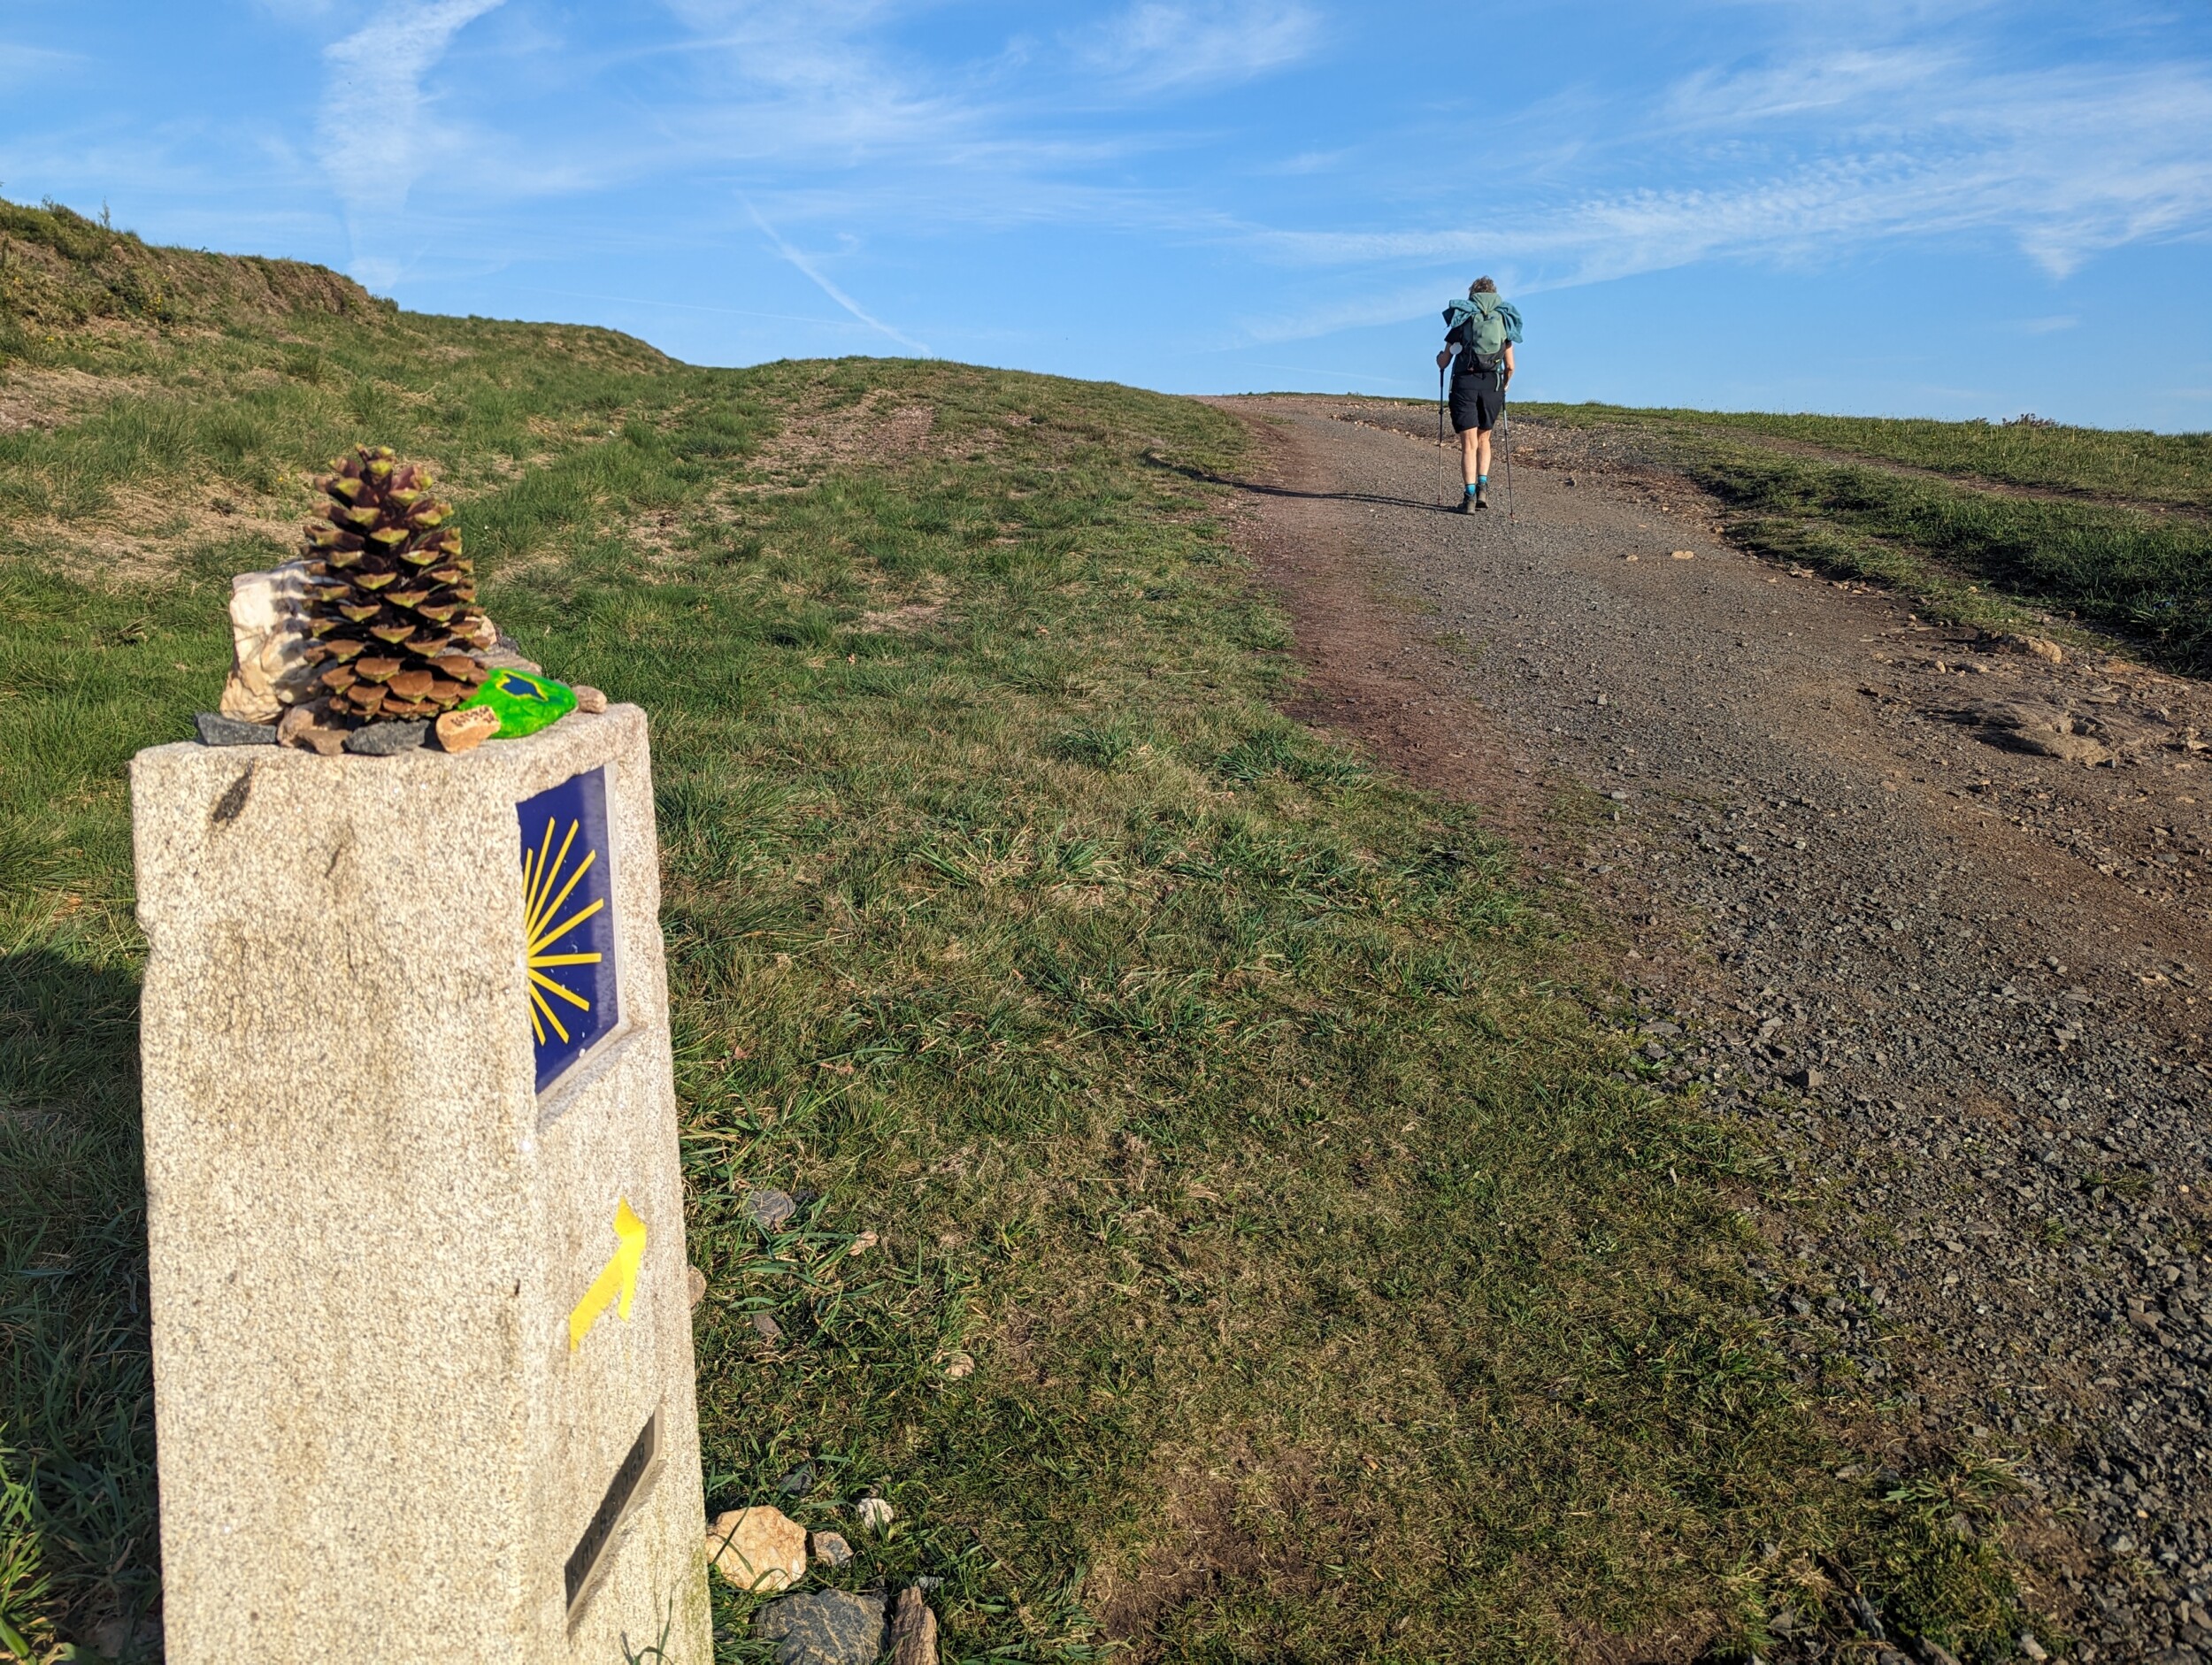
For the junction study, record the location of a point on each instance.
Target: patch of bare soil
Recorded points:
(910, 616)
(816, 438)
(32, 396)
(1925, 906)
(141, 535)
(1372, 672)
(1210, 1547)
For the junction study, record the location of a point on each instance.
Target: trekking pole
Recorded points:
(1440, 436)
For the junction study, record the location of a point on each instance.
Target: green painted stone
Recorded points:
(526, 703)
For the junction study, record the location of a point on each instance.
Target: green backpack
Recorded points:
(1495, 323)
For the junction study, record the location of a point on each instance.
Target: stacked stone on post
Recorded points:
(422, 1345)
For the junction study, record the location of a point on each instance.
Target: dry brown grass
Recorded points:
(34, 396)
(143, 536)
(816, 438)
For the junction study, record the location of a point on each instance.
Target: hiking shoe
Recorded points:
(1482, 498)
(1466, 503)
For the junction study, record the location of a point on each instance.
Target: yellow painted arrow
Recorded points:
(618, 1277)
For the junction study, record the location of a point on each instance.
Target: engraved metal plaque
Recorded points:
(586, 1560)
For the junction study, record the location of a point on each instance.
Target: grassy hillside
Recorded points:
(1978, 521)
(59, 271)
(1234, 1228)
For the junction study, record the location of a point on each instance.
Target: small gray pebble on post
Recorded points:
(386, 740)
(218, 730)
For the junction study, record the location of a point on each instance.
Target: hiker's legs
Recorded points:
(1482, 454)
(1467, 440)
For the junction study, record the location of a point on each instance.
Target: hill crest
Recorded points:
(60, 269)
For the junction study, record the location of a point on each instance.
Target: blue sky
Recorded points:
(1944, 209)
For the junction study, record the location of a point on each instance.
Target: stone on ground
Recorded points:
(757, 1549)
(875, 1514)
(823, 1627)
(831, 1549)
(913, 1630)
(769, 1209)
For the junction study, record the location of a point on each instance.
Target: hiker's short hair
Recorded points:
(1482, 286)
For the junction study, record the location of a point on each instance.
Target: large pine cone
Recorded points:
(392, 606)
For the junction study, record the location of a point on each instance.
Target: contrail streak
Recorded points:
(830, 289)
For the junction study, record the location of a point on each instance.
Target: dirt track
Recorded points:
(1930, 907)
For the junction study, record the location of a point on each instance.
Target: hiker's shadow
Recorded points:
(1261, 488)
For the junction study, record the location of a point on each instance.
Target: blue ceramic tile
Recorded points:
(568, 906)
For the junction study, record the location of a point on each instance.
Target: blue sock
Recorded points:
(1470, 490)
(1480, 480)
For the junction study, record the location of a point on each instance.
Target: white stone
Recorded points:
(875, 1514)
(268, 633)
(369, 1233)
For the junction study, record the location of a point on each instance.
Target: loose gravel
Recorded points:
(1925, 904)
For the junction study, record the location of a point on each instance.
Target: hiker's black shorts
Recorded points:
(1476, 403)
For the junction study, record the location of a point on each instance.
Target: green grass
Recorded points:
(2133, 466)
(2123, 545)
(1333, 1287)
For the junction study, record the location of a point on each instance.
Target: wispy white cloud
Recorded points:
(1309, 161)
(1866, 123)
(20, 63)
(378, 130)
(813, 83)
(1155, 46)
(1391, 303)
(2066, 163)
(1824, 83)
(1787, 132)
(813, 274)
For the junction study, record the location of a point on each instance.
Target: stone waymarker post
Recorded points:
(422, 1345)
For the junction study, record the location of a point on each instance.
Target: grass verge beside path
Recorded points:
(2132, 556)
(2118, 465)
(1224, 1228)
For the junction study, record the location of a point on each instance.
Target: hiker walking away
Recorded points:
(1481, 330)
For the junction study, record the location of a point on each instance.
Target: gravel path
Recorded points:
(1931, 906)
